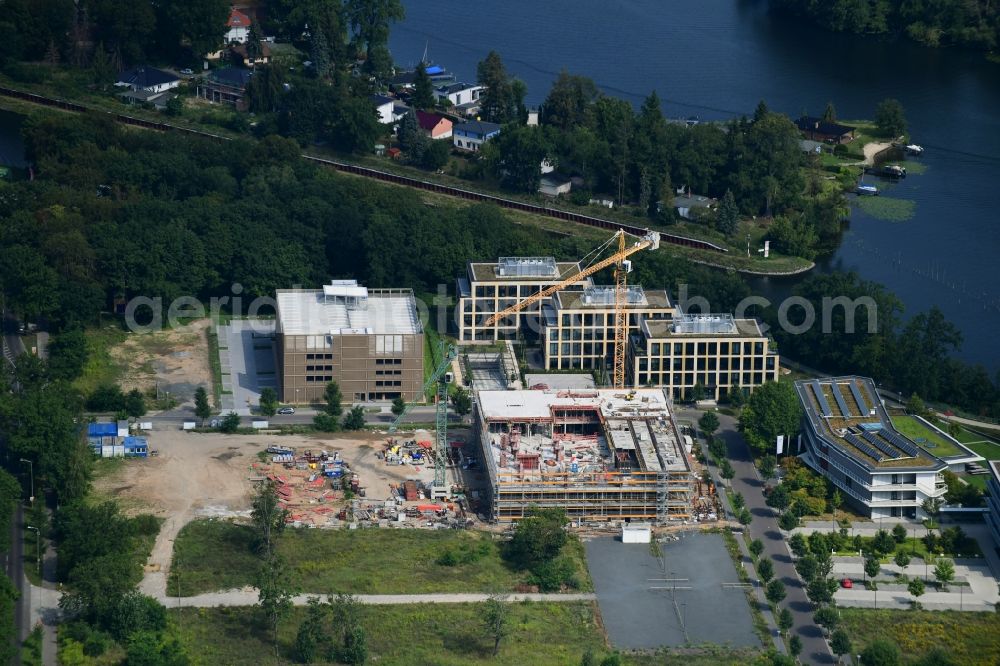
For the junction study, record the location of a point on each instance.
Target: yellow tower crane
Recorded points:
(651, 240)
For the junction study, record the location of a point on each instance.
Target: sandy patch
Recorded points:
(175, 361)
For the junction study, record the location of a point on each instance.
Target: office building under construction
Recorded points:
(602, 455)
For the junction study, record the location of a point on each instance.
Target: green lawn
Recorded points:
(542, 634)
(927, 438)
(970, 638)
(987, 449)
(212, 555)
(976, 481)
(100, 367)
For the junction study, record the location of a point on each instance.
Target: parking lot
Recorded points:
(684, 596)
(246, 354)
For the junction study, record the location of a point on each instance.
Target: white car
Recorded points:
(286, 410)
(187, 71)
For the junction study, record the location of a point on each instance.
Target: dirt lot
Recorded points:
(197, 475)
(176, 359)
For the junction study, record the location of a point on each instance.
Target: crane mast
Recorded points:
(619, 260)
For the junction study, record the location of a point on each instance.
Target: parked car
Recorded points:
(847, 583)
(187, 71)
(286, 410)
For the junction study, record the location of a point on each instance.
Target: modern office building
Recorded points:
(993, 501)
(575, 328)
(715, 351)
(492, 287)
(601, 455)
(580, 325)
(370, 341)
(848, 437)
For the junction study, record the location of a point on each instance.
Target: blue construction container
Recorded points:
(136, 447)
(102, 430)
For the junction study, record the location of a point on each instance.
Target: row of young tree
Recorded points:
(972, 23)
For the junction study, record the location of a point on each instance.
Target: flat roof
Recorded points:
(601, 297)
(634, 425)
(490, 271)
(847, 413)
(315, 312)
(701, 326)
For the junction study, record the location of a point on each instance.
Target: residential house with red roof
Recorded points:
(434, 125)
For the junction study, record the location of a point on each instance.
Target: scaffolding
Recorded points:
(600, 458)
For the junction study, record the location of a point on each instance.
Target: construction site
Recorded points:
(604, 455)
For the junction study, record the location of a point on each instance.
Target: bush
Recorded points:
(146, 524)
(788, 521)
(550, 576)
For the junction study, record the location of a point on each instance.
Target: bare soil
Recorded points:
(209, 475)
(174, 360)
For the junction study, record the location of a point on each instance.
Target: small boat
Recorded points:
(867, 190)
(889, 171)
(914, 149)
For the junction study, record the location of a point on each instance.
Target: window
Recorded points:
(388, 344)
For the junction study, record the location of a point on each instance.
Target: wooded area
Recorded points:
(972, 23)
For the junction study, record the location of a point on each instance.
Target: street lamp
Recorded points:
(31, 469)
(38, 548)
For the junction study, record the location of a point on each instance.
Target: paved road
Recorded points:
(15, 571)
(765, 527)
(303, 415)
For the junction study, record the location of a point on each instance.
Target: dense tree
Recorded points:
(944, 571)
(890, 118)
(355, 419)
(568, 100)
(67, 354)
(461, 401)
(369, 21)
(840, 642)
(135, 403)
(872, 566)
(502, 101)
(268, 401)
(230, 423)
(319, 53)
(728, 220)
(785, 620)
(778, 498)
(880, 652)
(765, 570)
(773, 409)
(312, 633)
(268, 517)
(265, 89)
(775, 592)
(201, 407)
(191, 27)
(423, 97)
(515, 157)
(756, 547)
(538, 537)
(398, 406)
(708, 423)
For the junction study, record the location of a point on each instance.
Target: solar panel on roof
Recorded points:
(864, 448)
(821, 399)
(881, 446)
(902, 443)
(840, 400)
(862, 405)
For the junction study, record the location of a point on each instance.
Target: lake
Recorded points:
(717, 58)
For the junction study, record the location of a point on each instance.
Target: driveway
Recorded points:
(246, 354)
(765, 527)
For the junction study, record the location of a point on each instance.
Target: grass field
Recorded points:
(542, 634)
(100, 367)
(213, 555)
(917, 431)
(970, 638)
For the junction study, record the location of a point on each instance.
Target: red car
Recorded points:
(847, 583)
